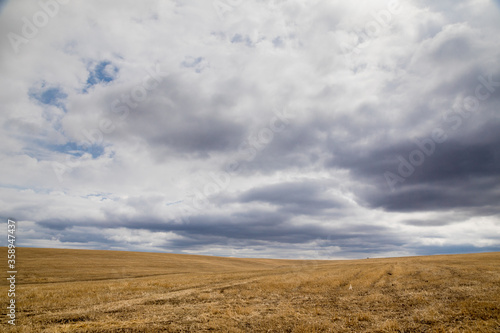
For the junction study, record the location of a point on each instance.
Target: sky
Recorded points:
(250, 128)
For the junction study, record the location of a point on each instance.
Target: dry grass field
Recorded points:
(108, 291)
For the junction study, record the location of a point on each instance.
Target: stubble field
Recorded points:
(111, 291)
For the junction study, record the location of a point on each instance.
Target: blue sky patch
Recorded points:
(199, 63)
(241, 39)
(100, 196)
(103, 72)
(278, 42)
(48, 95)
(75, 149)
(191, 62)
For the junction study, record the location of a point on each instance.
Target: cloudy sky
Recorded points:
(251, 128)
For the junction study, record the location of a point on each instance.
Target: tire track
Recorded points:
(123, 305)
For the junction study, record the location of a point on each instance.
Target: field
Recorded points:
(110, 291)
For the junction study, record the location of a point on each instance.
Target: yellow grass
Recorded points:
(110, 291)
